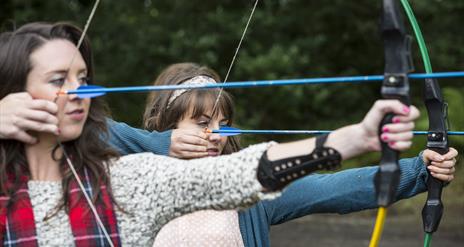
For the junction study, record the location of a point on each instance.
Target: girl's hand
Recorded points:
(398, 134)
(441, 166)
(188, 144)
(20, 113)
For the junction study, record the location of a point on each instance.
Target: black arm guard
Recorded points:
(275, 175)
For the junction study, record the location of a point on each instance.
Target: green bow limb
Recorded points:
(428, 69)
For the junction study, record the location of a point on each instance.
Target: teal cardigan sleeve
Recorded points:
(127, 140)
(342, 192)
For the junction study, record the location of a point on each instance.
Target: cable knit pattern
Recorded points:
(44, 198)
(155, 189)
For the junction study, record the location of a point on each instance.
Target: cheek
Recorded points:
(223, 141)
(41, 91)
(86, 104)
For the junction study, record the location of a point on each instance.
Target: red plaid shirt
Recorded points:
(17, 225)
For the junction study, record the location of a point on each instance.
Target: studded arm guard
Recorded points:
(275, 175)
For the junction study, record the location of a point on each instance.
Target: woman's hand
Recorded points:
(188, 144)
(363, 137)
(441, 166)
(20, 113)
(398, 134)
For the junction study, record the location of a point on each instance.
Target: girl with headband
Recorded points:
(341, 192)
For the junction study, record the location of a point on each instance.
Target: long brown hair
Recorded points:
(160, 118)
(89, 150)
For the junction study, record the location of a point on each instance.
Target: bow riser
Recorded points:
(397, 49)
(437, 140)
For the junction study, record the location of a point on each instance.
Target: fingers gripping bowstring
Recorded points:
(68, 160)
(233, 59)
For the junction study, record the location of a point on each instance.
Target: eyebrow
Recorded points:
(205, 115)
(209, 117)
(64, 71)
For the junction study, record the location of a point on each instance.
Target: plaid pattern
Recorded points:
(84, 226)
(17, 225)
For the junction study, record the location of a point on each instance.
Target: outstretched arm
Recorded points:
(353, 189)
(342, 192)
(229, 181)
(162, 188)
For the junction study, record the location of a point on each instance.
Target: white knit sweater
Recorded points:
(154, 190)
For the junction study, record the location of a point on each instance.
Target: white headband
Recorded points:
(197, 80)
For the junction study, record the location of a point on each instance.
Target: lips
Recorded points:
(77, 114)
(213, 152)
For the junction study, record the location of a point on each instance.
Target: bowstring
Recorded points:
(233, 60)
(65, 154)
(84, 32)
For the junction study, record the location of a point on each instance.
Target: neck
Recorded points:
(39, 157)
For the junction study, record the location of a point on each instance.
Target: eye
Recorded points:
(224, 125)
(202, 124)
(58, 81)
(84, 80)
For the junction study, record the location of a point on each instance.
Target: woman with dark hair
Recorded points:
(341, 192)
(44, 202)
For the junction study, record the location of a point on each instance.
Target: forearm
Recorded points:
(342, 192)
(224, 182)
(128, 140)
(348, 141)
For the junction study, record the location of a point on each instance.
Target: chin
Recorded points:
(70, 134)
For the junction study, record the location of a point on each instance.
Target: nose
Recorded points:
(214, 137)
(72, 85)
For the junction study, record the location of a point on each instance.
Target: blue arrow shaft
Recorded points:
(279, 132)
(307, 132)
(307, 81)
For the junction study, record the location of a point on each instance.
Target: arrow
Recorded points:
(231, 131)
(91, 91)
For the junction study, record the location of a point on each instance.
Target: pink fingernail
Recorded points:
(406, 109)
(384, 137)
(396, 120)
(385, 129)
(391, 143)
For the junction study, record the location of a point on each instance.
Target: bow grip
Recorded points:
(387, 178)
(433, 208)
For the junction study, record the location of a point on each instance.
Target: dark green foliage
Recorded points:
(134, 40)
